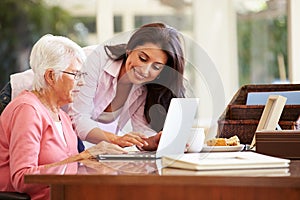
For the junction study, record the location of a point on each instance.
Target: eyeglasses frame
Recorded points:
(77, 75)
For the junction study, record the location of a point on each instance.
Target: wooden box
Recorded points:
(284, 144)
(242, 120)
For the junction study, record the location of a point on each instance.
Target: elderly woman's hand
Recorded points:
(105, 148)
(101, 148)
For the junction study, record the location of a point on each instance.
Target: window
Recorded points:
(262, 41)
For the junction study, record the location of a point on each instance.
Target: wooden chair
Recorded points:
(14, 196)
(5, 96)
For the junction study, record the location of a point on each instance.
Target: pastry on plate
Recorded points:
(232, 141)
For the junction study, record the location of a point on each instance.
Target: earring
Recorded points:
(158, 77)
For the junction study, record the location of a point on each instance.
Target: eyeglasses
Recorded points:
(77, 75)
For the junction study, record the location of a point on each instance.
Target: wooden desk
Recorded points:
(142, 180)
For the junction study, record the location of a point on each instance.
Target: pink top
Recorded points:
(29, 139)
(98, 92)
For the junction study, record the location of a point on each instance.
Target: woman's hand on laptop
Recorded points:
(131, 139)
(152, 142)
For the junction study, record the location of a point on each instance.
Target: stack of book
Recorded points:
(223, 162)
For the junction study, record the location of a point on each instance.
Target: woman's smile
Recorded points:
(139, 75)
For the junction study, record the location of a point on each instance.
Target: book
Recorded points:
(229, 172)
(224, 161)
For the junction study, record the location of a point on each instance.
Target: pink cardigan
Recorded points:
(29, 139)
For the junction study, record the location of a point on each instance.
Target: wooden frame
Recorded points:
(271, 114)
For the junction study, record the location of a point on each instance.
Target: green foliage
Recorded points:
(244, 51)
(260, 41)
(278, 41)
(23, 22)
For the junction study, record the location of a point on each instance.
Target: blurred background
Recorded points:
(240, 41)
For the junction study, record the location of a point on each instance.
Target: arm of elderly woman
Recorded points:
(101, 148)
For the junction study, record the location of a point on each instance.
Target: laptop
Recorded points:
(176, 131)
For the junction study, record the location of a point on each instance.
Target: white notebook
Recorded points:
(229, 172)
(224, 160)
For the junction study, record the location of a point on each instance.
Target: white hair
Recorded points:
(53, 52)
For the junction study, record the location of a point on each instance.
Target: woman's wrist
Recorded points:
(112, 138)
(97, 135)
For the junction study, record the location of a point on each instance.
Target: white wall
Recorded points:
(104, 20)
(215, 32)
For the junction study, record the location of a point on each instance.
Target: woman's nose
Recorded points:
(80, 82)
(146, 70)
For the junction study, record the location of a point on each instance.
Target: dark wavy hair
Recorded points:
(169, 84)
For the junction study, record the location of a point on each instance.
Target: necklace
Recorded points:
(53, 110)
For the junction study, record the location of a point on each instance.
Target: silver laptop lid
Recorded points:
(176, 131)
(177, 126)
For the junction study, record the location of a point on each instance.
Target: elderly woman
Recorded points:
(35, 132)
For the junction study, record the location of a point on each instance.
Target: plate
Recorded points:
(222, 148)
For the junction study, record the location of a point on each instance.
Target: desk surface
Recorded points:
(134, 179)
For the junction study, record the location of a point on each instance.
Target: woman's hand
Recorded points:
(131, 139)
(100, 148)
(105, 148)
(152, 142)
